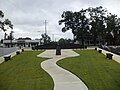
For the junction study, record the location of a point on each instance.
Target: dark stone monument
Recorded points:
(58, 50)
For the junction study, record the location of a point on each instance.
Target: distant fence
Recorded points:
(4, 51)
(63, 46)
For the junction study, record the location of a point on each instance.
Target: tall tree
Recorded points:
(83, 26)
(118, 32)
(92, 23)
(45, 39)
(6, 24)
(113, 27)
(77, 22)
(97, 22)
(1, 14)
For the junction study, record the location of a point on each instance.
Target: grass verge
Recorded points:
(23, 72)
(97, 72)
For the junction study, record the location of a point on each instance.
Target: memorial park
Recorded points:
(88, 61)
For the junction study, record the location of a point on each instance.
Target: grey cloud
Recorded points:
(29, 15)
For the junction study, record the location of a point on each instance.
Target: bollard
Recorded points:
(7, 57)
(17, 52)
(22, 50)
(109, 55)
(100, 51)
(95, 48)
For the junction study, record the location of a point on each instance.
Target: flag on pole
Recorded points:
(112, 34)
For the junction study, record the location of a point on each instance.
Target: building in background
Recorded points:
(20, 43)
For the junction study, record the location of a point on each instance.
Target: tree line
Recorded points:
(92, 24)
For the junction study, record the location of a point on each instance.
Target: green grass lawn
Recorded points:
(23, 72)
(97, 72)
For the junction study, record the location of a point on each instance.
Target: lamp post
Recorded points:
(45, 27)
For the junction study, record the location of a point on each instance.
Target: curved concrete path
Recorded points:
(63, 79)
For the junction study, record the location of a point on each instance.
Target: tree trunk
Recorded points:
(94, 40)
(83, 41)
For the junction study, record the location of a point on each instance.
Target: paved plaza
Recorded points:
(63, 79)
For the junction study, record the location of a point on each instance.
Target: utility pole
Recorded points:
(45, 27)
(53, 37)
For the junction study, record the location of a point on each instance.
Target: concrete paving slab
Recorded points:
(63, 79)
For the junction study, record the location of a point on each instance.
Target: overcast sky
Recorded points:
(28, 16)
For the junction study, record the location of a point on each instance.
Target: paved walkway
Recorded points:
(63, 79)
